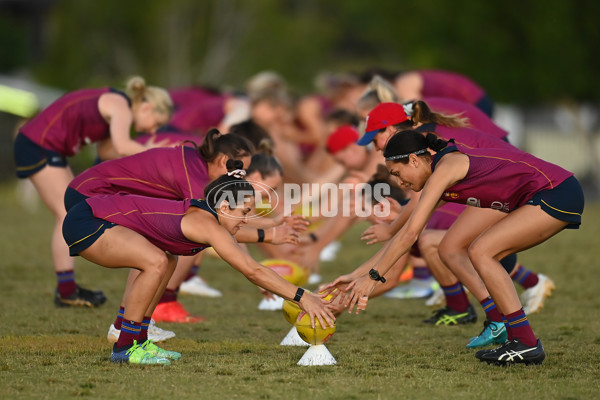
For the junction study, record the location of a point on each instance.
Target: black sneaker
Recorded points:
(513, 352)
(448, 316)
(80, 298)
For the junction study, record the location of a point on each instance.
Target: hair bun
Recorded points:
(232, 165)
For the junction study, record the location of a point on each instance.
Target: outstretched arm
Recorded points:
(450, 170)
(200, 227)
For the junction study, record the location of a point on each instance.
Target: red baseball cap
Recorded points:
(341, 138)
(382, 116)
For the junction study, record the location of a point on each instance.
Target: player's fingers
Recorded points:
(362, 304)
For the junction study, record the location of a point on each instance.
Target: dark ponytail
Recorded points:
(402, 144)
(231, 186)
(251, 131)
(231, 145)
(264, 161)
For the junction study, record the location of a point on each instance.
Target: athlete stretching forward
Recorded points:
(147, 234)
(541, 199)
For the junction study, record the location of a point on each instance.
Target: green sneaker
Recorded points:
(137, 355)
(492, 333)
(448, 316)
(158, 352)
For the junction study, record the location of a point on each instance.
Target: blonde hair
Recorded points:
(378, 91)
(138, 92)
(265, 81)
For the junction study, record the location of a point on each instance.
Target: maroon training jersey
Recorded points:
(197, 109)
(501, 179)
(171, 139)
(449, 84)
(158, 220)
(69, 123)
(175, 173)
(465, 137)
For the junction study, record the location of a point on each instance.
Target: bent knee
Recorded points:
(478, 254)
(157, 262)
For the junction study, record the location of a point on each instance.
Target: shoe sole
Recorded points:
(73, 303)
(506, 364)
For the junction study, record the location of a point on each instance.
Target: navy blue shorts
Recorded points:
(30, 157)
(564, 202)
(486, 105)
(81, 229)
(73, 197)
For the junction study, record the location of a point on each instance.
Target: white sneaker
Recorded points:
(437, 299)
(155, 333)
(113, 334)
(329, 252)
(197, 286)
(533, 298)
(314, 279)
(414, 289)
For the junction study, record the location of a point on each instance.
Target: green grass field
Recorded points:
(384, 353)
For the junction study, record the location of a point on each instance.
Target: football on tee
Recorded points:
(291, 311)
(310, 335)
(290, 271)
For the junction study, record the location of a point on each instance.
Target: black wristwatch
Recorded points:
(373, 274)
(299, 294)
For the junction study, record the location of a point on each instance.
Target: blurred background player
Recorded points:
(75, 120)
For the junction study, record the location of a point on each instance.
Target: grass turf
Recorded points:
(384, 353)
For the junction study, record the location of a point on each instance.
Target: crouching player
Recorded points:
(147, 234)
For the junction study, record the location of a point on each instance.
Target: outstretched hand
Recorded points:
(337, 288)
(317, 308)
(284, 233)
(380, 232)
(296, 222)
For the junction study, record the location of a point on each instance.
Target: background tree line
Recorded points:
(521, 52)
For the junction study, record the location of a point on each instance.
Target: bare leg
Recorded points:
(522, 229)
(454, 246)
(51, 184)
(429, 241)
(152, 263)
(184, 265)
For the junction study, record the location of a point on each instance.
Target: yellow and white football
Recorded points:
(290, 271)
(310, 335)
(291, 311)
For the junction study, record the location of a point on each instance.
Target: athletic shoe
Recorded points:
(492, 333)
(513, 351)
(113, 334)
(136, 355)
(414, 289)
(156, 351)
(448, 316)
(314, 279)
(198, 286)
(155, 333)
(173, 311)
(533, 298)
(436, 299)
(329, 252)
(80, 298)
